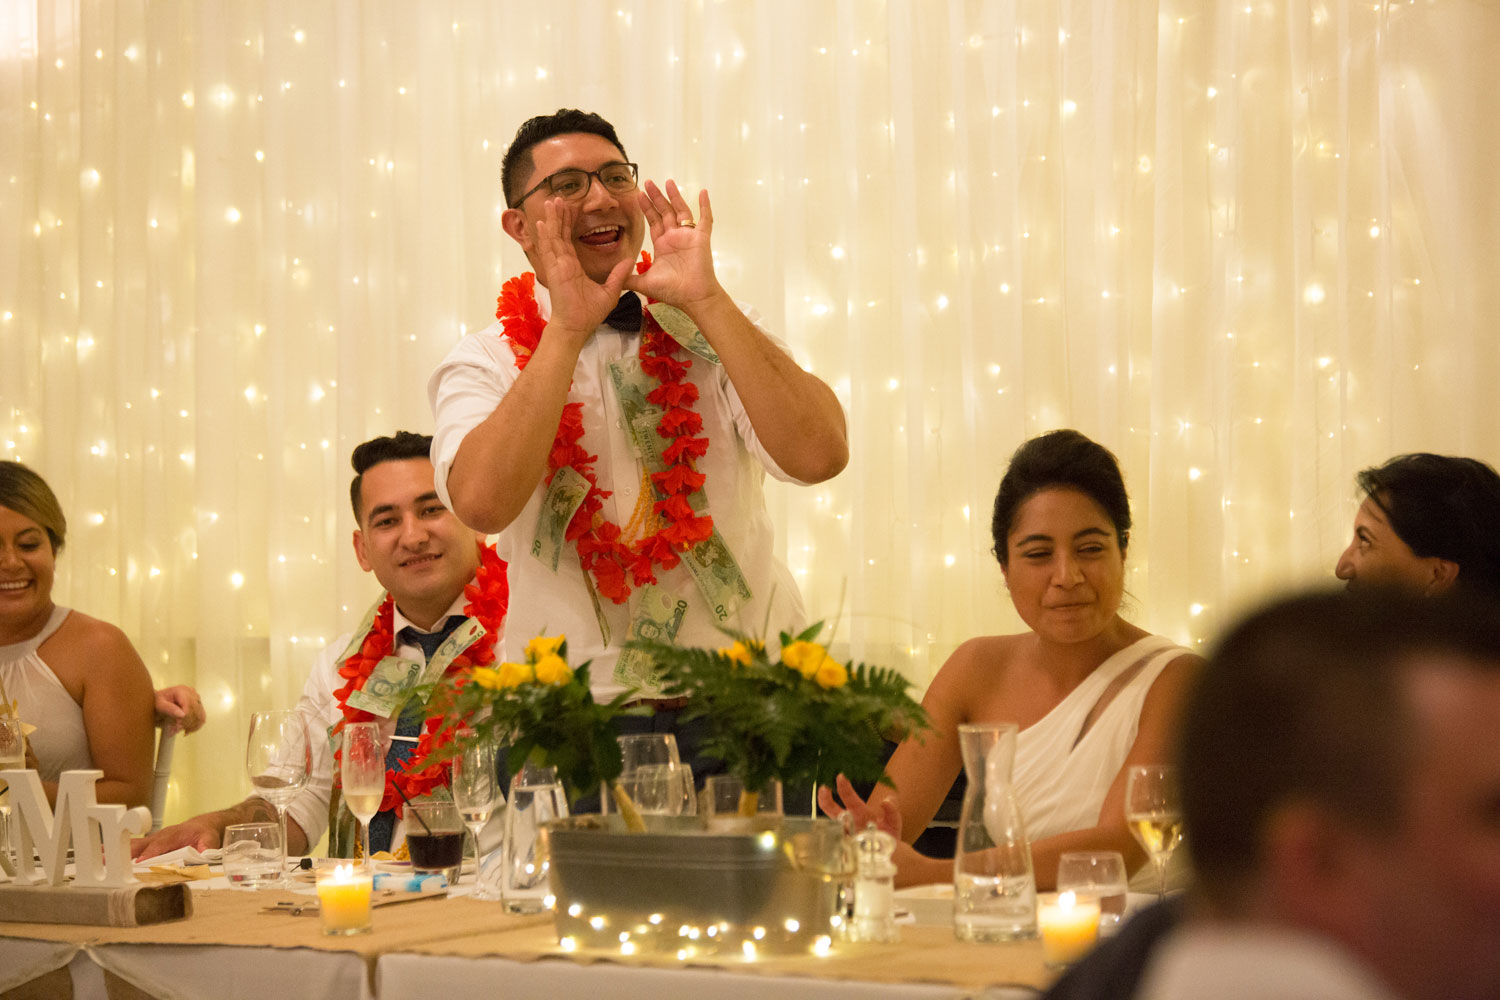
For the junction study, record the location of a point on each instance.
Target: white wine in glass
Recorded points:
(278, 757)
(12, 756)
(1153, 812)
(362, 774)
(475, 793)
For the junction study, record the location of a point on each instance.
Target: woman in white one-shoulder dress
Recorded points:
(1092, 693)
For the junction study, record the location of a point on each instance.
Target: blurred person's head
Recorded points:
(416, 547)
(1061, 523)
(1340, 761)
(1427, 523)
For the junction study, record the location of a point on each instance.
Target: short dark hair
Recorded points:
(28, 494)
(517, 163)
(1443, 506)
(1063, 458)
(399, 446)
(1305, 700)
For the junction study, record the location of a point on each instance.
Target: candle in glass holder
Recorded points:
(1069, 926)
(344, 901)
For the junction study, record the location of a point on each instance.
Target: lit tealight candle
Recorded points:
(344, 901)
(1069, 926)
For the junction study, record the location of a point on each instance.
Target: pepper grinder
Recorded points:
(874, 887)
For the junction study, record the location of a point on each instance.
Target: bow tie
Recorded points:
(626, 316)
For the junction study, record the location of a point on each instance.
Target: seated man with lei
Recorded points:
(618, 444)
(440, 580)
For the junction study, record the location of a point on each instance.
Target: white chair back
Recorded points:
(164, 747)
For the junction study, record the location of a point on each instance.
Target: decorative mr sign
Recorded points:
(99, 835)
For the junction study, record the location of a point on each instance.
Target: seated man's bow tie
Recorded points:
(626, 316)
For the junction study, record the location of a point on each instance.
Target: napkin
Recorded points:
(172, 873)
(184, 856)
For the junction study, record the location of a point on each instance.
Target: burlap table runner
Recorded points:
(228, 917)
(468, 928)
(923, 955)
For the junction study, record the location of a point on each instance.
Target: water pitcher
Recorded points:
(994, 887)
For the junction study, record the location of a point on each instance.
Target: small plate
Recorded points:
(927, 904)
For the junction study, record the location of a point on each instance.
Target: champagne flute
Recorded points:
(1153, 811)
(362, 771)
(278, 757)
(474, 792)
(12, 755)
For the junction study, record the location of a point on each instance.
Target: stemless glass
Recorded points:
(646, 748)
(475, 792)
(536, 797)
(362, 771)
(278, 757)
(1100, 874)
(1154, 812)
(435, 837)
(662, 789)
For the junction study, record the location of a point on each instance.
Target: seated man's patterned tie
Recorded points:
(409, 724)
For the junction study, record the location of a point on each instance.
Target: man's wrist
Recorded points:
(710, 311)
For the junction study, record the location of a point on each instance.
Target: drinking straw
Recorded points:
(415, 812)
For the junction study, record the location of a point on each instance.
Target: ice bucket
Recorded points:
(778, 889)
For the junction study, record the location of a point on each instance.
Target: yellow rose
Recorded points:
(513, 674)
(487, 677)
(804, 657)
(831, 674)
(544, 645)
(740, 653)
(553, 669)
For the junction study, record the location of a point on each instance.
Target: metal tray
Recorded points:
(778, 889)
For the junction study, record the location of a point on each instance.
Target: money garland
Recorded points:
(617, 567)
(488, 596)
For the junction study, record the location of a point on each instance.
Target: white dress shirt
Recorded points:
(1255, 963)
(467, 387)
(320, 712)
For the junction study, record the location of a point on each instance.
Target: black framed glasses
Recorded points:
(573, 184)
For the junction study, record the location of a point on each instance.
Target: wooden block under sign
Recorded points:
(116, 906)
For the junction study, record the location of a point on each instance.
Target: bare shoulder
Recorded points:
(1172, 684)
(87, 643)
(975, 671)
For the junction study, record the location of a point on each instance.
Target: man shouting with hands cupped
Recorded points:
(615, 425)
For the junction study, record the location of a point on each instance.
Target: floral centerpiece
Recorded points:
(802, 718)
(543, 708)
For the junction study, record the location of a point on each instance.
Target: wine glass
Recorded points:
(278, 757)
(1100, 874)
(12, 755)
(474, 792)
(1153, 811)
(362, 770)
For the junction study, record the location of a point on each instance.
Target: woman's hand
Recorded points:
(885, 813)
(179, 710)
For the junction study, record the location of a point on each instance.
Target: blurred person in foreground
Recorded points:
(1340, 761)
(1428, 523)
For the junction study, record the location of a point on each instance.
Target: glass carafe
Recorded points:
(994, 886)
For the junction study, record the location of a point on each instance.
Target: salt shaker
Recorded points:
(874, 887)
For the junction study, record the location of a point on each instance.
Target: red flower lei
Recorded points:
(617, 567)
(488, 596)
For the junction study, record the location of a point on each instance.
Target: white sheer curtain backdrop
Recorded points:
(1250, 246)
